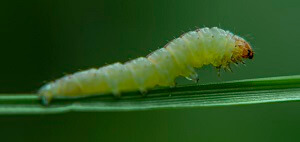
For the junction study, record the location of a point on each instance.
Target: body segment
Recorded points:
(178, 58)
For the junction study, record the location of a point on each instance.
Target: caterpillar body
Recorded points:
(179, 57)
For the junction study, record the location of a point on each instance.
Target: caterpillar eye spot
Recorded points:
(250, 54)
(178, 57)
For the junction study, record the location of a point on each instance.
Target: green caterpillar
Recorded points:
(179, 57)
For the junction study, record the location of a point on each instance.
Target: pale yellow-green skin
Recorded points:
(178, 58)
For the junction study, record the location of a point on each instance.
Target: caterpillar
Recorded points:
(179, 57)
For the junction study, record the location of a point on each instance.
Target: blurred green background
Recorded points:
(43, 40)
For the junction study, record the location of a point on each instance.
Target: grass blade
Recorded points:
(263, 90)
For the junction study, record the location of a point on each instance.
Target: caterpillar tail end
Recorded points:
(45, 95)
(46, 99)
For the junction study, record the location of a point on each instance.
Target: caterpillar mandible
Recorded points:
(179, 57)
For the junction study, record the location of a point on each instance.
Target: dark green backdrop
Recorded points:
(42, 40)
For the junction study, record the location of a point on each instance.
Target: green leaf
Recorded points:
(264, 90)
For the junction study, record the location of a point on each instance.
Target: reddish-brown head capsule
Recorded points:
(244, 49)
(247, 51)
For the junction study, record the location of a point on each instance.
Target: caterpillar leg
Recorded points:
(228, 68)
(193, 76)
(218, 70)
(143, 92)
(116, 93)
(172, 84)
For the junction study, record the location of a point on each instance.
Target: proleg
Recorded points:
(180, 57)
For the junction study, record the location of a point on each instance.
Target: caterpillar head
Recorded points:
(247, 51)
(242, 50)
